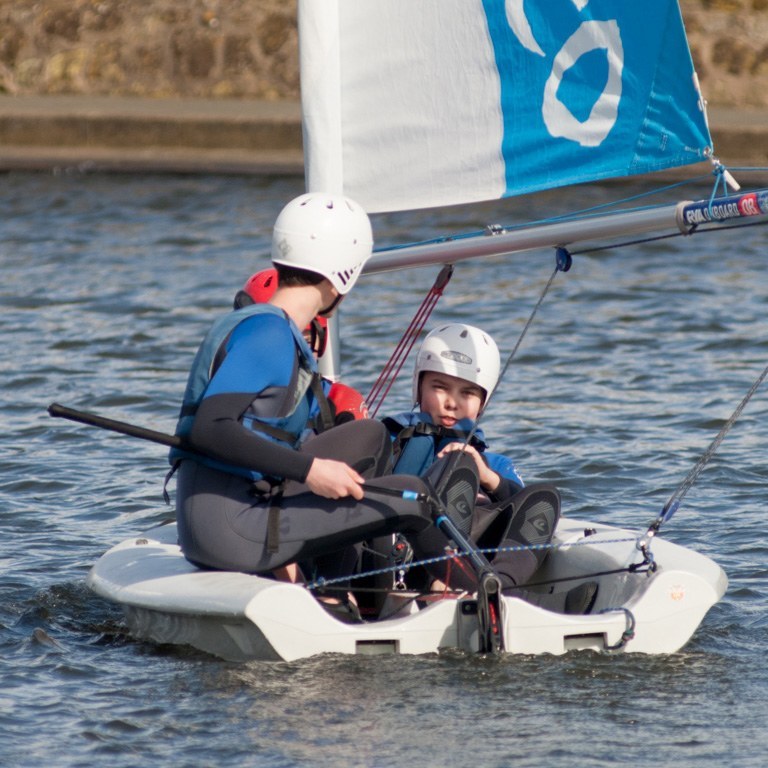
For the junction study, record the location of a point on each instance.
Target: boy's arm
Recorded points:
(504, 490)
(510, 481)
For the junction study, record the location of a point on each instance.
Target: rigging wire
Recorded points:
(676, 498)
(563, 263)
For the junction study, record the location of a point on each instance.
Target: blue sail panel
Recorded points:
(594, 90)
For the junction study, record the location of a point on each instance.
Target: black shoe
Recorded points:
(536, 510)
(455, 483)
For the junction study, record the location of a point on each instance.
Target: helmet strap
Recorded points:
(329, 310)
(318, 337)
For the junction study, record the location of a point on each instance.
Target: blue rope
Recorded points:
(719, 174)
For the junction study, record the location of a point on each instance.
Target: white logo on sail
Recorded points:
(518, 21)
(590, 36)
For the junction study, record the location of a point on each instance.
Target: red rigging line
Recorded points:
(397, 359)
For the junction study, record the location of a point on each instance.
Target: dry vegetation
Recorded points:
(247, 49)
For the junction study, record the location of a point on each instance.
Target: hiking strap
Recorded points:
(397, 359)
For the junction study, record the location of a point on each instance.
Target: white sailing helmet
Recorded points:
(459, 350)
(326, 234)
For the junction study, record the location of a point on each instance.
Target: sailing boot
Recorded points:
(536, 510)
(454, 481)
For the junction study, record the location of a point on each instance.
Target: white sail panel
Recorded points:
(397, 83)
(419, 103)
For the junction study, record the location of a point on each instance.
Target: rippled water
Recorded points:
(633, 364)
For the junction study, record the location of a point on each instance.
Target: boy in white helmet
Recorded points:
(253, 493)
(457, 368)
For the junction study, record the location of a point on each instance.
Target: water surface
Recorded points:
(634, 362)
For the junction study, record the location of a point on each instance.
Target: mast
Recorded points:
(318, 25)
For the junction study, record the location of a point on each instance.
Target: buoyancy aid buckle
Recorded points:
(439, 433)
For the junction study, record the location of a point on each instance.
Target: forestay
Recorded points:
(419, 104)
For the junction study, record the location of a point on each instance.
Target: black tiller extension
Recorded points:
(488, 582)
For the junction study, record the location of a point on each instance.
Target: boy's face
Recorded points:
(448, 399)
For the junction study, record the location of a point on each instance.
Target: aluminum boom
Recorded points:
(684, 216)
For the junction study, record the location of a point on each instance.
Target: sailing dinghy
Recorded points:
(417, 105)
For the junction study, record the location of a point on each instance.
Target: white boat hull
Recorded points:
(239, 617)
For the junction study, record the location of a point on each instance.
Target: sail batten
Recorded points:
(410, 105)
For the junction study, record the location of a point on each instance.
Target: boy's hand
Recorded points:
(334, 479)
(489, 480)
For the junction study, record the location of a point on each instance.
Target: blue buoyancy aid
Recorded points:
(417, 441)
(288, 429)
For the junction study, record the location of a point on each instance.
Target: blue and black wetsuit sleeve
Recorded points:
(253, 377)
(511, 482)
(504, 490)
(220, 435)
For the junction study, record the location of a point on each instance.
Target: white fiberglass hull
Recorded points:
(239, 616)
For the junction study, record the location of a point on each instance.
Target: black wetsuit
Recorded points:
(228, 518)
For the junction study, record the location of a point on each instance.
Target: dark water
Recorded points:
(633, 364)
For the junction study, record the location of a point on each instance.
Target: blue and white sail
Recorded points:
(419, 103)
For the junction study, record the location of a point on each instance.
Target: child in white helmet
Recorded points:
(457, 368)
